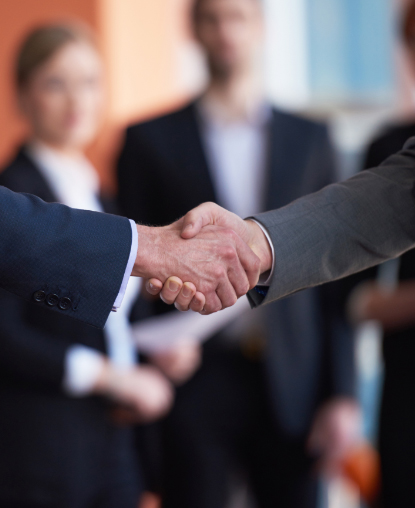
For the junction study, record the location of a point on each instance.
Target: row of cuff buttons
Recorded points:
(52, 300)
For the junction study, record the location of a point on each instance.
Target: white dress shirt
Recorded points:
(237, 155)
(236, 152)
(75, 183)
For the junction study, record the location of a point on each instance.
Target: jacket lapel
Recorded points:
(30, 179)
(289, 149)
(279, 177)
(196, 169)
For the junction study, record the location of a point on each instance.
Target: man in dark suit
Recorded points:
(60, 381)
(397, 417)
(268, 376)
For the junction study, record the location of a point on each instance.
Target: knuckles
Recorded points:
(229, 253)
(218, 273)
(242, 290)
(232, 301)
(217, 308)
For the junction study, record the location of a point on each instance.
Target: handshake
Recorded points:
(204, 261)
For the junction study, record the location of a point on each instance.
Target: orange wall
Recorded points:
(16, 18)
(140, 43)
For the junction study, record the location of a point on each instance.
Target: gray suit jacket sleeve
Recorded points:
(50, 249)
(344, 228)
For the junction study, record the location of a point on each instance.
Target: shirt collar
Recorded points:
(64, 169)
(210, 113)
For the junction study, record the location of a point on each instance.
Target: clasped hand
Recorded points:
(203, 262)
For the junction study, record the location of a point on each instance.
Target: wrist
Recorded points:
(145, 252)
(102, 383)
(260, 245)
(110, 381)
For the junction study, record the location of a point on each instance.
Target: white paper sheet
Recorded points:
(162, 332)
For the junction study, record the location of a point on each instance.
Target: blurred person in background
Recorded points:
(394, 308)
(60, 380)
(275, 394)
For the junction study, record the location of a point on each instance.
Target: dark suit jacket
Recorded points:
(163, 172)
(397, 415)
(54, 250)
(53, 449)
(399, 347)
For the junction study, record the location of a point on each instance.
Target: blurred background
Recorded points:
(342, 62)
(345, 63)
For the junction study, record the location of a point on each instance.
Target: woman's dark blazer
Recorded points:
(54, 449)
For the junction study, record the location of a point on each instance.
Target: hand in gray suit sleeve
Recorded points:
(344, 228)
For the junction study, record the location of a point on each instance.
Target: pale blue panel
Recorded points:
(350, 48)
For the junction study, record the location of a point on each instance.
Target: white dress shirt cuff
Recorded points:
(82, 368)
(265, 279)
(129, 268)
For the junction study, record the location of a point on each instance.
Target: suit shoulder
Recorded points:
(160, 123)
(395, 135)
(16, 168)
(302, 123)
(389, 141)
(300, 119)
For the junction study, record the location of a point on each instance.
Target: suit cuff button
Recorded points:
(65, 303)
(52, 300)
(39, 296)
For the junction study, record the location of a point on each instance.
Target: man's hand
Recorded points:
(393, 308)
(335, 431)
(210, 214)
(143, 392)
(214, 259)
(184, 296)
(180, 362)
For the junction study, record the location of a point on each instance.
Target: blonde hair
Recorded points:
(43, 42)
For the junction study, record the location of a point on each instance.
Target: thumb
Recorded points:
(154, 286)
(197, 219)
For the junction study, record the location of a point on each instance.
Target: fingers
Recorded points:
(154, 286)
(190, 299)
(198, 302)
(171, 290)
(226, 294)
(213, 304)
(198, 218)
(185, 297)
(243, 271)
(249, 261)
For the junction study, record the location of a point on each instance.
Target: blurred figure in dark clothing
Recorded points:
(276, 389)
(61, 381)
(395, 310)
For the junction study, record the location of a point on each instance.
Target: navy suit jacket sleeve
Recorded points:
(27, 352)
(56, 250)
